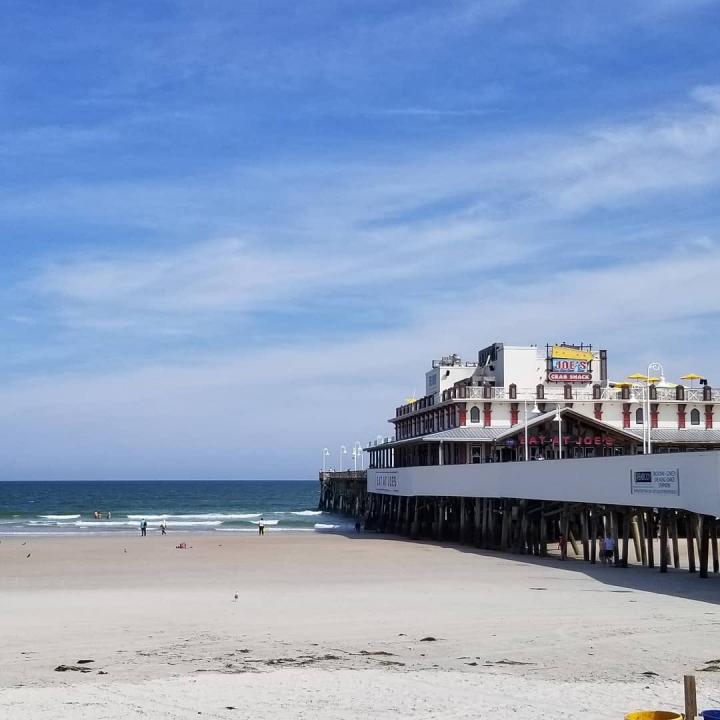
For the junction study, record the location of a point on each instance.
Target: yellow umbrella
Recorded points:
(691, 377)
(653, 379)
(620, 384)
(638, 376)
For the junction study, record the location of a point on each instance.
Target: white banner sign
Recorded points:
(655, 482)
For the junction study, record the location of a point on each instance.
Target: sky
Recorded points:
(233, 233)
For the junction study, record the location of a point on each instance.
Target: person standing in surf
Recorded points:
(143, 527)
(163, 526)
(261, 526)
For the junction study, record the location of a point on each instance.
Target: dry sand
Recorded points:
(327, 626)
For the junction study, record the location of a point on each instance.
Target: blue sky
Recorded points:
(232, 233)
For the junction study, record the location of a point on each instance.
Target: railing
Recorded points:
(556, 393)
(379, 441)
(421, 404)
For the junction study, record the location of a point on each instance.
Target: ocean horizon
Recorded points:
(68, 507)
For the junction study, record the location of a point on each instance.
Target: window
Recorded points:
(475, 414)
(476, 453)
(639, 416)
(695, 417)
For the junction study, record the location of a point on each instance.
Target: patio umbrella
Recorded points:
(691, 377)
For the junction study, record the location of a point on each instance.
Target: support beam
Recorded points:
(674, 537)
(690, 539)
(663, 542)
(704, 546)
(626, 537)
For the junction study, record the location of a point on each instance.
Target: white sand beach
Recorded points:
(327, 626)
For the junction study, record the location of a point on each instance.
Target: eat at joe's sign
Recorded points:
(597, 440)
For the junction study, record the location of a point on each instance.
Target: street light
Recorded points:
(535, 411)
(653, 367)
(325, 455)
(558, 420)
(358, 450)
(343, 451)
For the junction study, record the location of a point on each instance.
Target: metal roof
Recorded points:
(485, 434)
(686, 435)
(476, 434)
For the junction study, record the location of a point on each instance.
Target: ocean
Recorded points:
(198, 506)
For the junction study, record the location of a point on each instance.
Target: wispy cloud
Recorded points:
(431, 221)
(253, 222)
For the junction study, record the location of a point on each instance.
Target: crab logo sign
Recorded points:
(569, 364)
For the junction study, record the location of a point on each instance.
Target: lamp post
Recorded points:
(535, 411)
(359, 453)
(654, 367)
(558, 420)
(343, 451)
(641, 402)
(325, 455)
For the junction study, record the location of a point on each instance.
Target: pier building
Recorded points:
(518, 403)
(527, 445)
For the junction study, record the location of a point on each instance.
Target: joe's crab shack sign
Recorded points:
(569, 364)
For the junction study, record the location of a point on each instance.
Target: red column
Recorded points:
(462, 413)
(598, 411)
(681, 416)
(626, 415)
(654, 415)
(514, 412)
(487, 414)
(708, 417)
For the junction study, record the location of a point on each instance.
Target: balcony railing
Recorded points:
(558, 393)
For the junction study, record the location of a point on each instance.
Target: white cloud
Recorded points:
(272, 410)
(468, 244)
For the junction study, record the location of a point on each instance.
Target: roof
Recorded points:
(476, 434)
(686, 435)
(485, 434)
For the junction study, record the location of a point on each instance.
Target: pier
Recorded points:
(655, 537)
(344, 493)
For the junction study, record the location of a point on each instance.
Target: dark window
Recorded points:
(695, 417)
(475, 415)
(639, 416)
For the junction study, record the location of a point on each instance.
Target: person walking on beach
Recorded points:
(163, 526)
(143, 528)
(562, 544)
(261, 527)
(608, 549)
